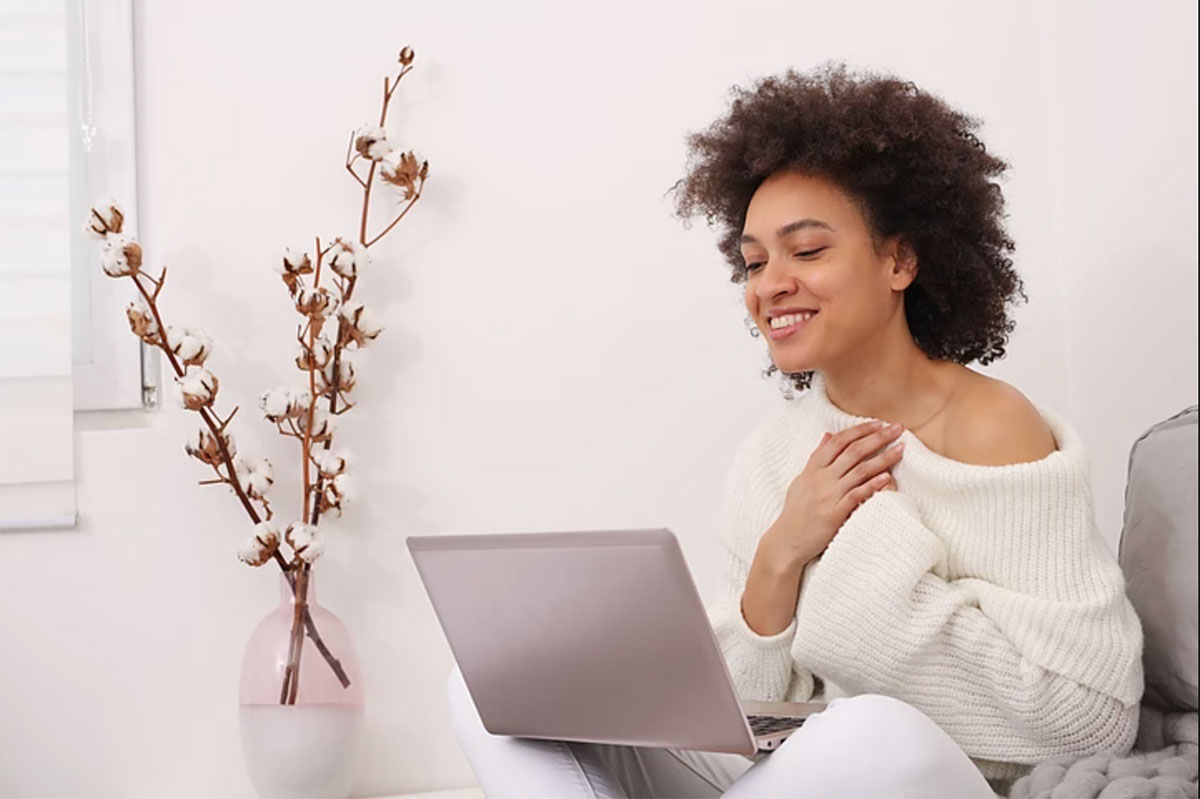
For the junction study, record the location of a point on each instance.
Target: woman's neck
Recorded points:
(901, 385)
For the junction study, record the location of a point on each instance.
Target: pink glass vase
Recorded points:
(309, 745)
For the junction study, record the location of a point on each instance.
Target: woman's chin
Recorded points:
(792, 364)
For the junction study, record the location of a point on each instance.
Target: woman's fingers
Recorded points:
(872, 468)
(857, 496)
(862, 448)
(832, 447)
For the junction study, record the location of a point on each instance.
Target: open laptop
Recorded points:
(595, 636)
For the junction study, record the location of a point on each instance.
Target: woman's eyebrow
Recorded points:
(790, 227)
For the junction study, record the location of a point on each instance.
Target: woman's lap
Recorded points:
(867, 745)
(643, 771)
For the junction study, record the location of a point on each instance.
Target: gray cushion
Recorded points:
(1159, 557)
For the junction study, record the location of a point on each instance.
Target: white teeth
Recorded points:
(785, 321)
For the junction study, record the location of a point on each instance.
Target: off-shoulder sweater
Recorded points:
(984, 596)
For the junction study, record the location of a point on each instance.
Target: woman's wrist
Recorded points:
(781, 554)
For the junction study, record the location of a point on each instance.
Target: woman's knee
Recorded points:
(882, 728)
(878, 715)
(882, 744)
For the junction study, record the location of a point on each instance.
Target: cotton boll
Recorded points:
(197, 388)
(324, 463)
(331, 500)
(261, 479)
(255, 475)
(294, 262)
(338, 491)
(298, 399)
(368, 323)
(379, 149)
(395, 162)
(314, 549)
(141, 321)
(298, 534)
(346, 257)
(346, 374)
(312, 301)
(110, 213)
(120, 256)
(322, 350)
(268, 531)
(104, 217)
(251, 552)
(305, 540)
(361, 325)
(318, 356)
(324, 424)
(259, 482)
(261, 545)
(402, 170)
(329, 464)
(275, 404)
(371, 142)
(203, 447)
(344, 485)
(191, 345)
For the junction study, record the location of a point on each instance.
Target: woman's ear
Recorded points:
(904, 264)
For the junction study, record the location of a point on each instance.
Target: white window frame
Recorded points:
(112, 368)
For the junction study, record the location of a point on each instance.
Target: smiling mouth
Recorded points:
(784, 326)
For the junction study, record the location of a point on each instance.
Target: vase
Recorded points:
(308, 744)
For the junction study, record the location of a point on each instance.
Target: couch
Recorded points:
(1158, 555)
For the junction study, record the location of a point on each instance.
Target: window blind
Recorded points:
(36, 397)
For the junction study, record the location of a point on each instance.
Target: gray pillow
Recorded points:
(1159, 558)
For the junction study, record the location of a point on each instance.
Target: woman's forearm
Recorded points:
(772, 589)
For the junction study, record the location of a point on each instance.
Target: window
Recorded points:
(66, 138)
(108, 361)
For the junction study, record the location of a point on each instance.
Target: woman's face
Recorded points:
(807, 248)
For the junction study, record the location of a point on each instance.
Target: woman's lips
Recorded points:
(784, 332)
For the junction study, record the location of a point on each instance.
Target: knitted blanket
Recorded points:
(1162, 764)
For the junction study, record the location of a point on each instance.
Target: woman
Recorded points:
(940, 581)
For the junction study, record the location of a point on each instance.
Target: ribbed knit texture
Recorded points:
(984, 596)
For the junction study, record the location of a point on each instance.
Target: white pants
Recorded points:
(863, 747)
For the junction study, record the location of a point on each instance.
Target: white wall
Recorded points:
(561, 354)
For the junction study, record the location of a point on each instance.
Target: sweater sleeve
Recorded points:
(761, 666)
(1015, 676)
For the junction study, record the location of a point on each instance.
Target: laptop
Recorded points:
(592, 636)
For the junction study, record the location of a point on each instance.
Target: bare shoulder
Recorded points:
(993, 424)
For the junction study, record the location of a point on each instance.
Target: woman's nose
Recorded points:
(773, 279)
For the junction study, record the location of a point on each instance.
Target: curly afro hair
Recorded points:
(909, 162)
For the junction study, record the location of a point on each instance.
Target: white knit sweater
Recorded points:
(982, 595)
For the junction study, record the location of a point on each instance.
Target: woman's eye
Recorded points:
(803, 254)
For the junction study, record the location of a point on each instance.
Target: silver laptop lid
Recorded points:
(583, 636)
